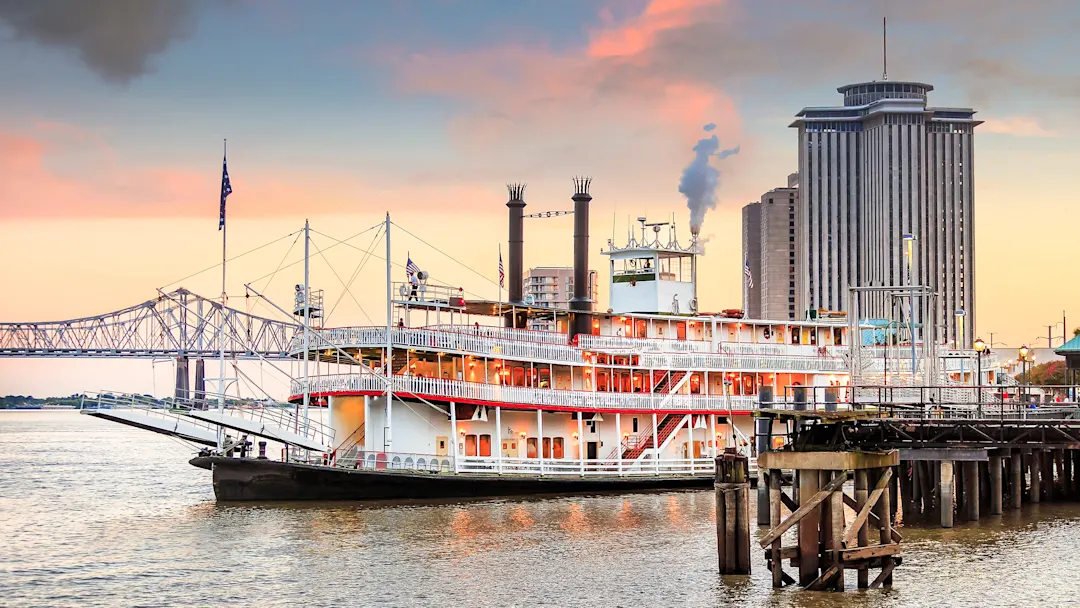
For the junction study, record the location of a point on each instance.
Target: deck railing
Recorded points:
(542, 347)
(457, 390)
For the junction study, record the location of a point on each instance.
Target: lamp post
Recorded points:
(1023, 371)
(980, 346)
(909, 243)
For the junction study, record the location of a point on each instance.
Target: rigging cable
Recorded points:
(236, 257)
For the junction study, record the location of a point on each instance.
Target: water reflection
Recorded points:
(89, 523)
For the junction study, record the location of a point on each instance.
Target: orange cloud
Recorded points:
(516, 90)
(1019, 126)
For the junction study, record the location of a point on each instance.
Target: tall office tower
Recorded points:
(880, 169)
(770, 237)
(751, 247)
(781, 280)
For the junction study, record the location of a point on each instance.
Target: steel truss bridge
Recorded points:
(177, 324)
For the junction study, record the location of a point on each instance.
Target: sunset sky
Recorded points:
(112, 116)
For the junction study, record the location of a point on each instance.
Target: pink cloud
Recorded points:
(514, 90)
(1019, 126)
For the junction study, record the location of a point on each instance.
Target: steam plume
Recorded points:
(114, 38)
(699, 179)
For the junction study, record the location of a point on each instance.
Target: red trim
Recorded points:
(525, 406)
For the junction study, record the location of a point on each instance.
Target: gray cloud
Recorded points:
(115, 38)
(987, 47)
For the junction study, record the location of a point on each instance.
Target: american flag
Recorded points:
(226, 190)
(411, 268)
(749, 276)
(502, 272)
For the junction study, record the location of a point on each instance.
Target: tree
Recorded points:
(1076, 332)
(1051, 373)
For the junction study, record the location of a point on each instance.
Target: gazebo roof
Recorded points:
(1072, 347)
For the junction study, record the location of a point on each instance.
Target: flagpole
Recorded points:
(221, 331)
(500, 279)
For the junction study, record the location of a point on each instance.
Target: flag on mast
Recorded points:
(411, 268)
(226, 190)
(749, 276)
(502, 271)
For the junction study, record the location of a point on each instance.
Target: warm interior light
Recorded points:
(462, 431)
(574, 435)
(522, 434)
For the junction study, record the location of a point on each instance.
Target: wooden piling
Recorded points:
(945, 494)
(808, 528)
(861, 493)
(1016, 480)
(996, 490)
(732, 494)
(971, 491)
(775, 490)
(1035, 463)
(883, 509)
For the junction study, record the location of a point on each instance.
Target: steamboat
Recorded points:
(461, 398)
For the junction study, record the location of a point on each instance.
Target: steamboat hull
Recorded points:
(257, 480)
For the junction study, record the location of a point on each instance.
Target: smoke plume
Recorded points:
(699, 179)
(115, 38)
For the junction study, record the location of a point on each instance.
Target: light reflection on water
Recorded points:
(96, 514)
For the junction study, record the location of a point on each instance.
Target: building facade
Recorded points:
(771, 245)
(875, 173)
(553, 287)
(751, 247)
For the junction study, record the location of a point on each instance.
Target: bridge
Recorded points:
(177, 324)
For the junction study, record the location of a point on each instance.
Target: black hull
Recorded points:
(255, 480)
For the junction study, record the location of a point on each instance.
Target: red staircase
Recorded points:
(667, 381)
(644, 441)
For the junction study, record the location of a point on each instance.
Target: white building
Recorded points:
(552, 287)
(881, 166)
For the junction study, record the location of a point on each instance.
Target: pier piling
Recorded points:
(732, 490)
(996, 490)
(945, 493)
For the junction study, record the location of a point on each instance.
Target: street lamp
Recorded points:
(980, 346)
(1023, 366)
(909, 243)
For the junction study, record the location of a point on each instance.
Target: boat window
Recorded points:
(680, 330)
(547, 447)
(530, 447)
(470, 445)
(641, 330)
(633, 423)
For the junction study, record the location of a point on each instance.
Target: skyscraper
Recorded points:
(770, 246)
(882, 166)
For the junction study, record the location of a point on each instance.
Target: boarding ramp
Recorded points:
(198, 420)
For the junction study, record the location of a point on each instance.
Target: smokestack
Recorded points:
(581, 301)
(517, 240)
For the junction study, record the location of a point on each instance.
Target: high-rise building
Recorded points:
(553, 287)
(751, 247)
(879, 169)
(770, 245)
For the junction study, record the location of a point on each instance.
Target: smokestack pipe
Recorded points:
(517, 240)
(581, 301)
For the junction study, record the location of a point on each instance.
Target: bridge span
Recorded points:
(178, 324)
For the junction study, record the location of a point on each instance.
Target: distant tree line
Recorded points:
(14, 401)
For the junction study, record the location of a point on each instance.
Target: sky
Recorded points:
(113, 116)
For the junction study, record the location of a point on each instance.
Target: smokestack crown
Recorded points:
(581, 188)
(517, 194)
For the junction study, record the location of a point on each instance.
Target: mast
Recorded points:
(307, 321)
(388, 366)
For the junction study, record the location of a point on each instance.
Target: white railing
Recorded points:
(494, 342)
(506, 333)
(482, 343)
(587, 467)
(661, 345)
(745, 362)
(444, 389)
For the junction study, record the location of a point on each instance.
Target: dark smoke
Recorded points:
(699, 179)
(114, 38)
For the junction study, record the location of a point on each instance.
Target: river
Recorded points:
(93, 513)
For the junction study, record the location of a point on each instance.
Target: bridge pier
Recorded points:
(182, 386)
(945, 493)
